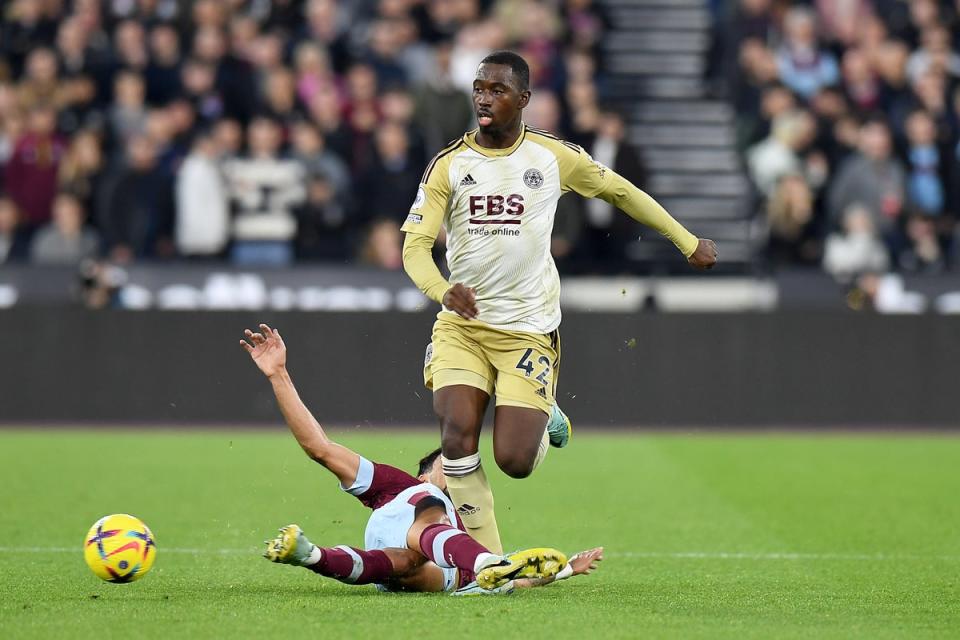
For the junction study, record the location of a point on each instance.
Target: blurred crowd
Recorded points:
(848, 120)
(264, 132)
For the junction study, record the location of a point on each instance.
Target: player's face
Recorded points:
(435, 475)
(497, 101)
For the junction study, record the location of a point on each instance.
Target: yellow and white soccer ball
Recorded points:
(119, 548)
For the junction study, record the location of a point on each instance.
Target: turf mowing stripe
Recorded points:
(687, 555)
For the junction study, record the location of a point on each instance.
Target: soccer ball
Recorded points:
(119, 548)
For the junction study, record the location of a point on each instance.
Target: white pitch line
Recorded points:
(677, 555)
(719, 555)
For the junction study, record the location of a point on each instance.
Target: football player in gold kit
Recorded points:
(495, 192)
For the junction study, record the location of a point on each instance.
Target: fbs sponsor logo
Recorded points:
(467, 510)
(468, 181)
(491, 209)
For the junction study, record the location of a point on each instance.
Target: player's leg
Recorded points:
(527, 416)
(446, 546)
(461, 380)
(520, 439)
(345, 564)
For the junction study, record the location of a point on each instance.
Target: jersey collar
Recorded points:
(471, 139)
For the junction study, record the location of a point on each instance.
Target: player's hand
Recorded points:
(705, 256)
(268, 351)
(586, 561)
(462, 300)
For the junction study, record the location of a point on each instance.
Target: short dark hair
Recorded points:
(426, 462)
(519, 66)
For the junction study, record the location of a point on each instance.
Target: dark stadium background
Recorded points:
(173, 171)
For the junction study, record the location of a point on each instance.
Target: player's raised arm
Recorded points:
(581, 173)
(269, 353)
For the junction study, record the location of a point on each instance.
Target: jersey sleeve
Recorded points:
(430, 206)
(579, 172)
(377, 484)
(584, 175)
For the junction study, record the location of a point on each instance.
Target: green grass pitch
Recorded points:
(724, 536)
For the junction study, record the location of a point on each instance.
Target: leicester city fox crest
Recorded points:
(533, 178)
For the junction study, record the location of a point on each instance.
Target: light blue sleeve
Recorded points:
(364, 479)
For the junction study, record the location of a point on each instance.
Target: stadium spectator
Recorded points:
(326, 24)
(202, 213)
(128, 114)
(605, 235)
(873, 178)
(544, 112)
(73, 50)
(442, 110)
(324, 231)
(790, 219)
(66, 240)
(14, 243)
(384, 48)
(162, 74)
(130, 47)
(30, 177)
(137, 213)
(383, 246)
(779, 153)
(860, 83)
(757, 80)
(312, 67)
(264, 189)
(935, 54)
(841, 21)
(922, 253)
(81, 170)
(199, 88)
(228, 135)
(397, 107)
(309, 148)
(804, 65)
(388, 187)
(41, 83)
(279, 98)
(857, 249)
(925, 187)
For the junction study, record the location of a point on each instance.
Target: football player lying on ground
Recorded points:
(414, 539)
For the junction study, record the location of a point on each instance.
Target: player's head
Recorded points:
(431, 470)
(500, 91)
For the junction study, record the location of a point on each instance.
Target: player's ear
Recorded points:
(524, 99)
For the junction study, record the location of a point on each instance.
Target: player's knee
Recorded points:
(457, 440)
(514, 465)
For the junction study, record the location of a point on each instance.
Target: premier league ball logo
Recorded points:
(533, 178)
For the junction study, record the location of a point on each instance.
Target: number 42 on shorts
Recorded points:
(527, 366)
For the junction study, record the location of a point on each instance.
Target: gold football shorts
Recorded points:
(519, 368)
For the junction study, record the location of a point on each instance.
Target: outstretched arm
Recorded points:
(581, 173)
(270, 355)
(580, 564)
(621, 193)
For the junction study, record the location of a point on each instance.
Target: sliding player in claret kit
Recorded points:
(495, 192)
(414, 539)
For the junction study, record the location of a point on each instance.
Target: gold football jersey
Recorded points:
(497, 207)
